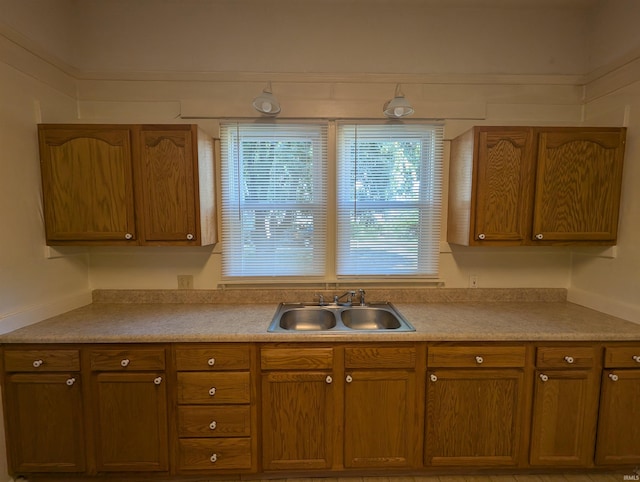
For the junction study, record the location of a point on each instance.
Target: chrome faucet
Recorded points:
(362, 293)
(349, 294)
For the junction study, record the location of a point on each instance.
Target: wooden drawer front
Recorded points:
(565, 357)
(296, 359)
(622, 357)
(216, 388)
(371, 357)
(476, 356)
(213, 358)
(41, 360)
(130, 360)
(211, 454)
(218, 421)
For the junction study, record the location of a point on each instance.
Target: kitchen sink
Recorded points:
(331, 318)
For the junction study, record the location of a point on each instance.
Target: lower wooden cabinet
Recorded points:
(43, 406)
(475, 399)
(124, 412)
(618, 436)
(565, 403)
(130, 410)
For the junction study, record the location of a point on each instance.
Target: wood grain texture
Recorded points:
(224, 357)
(230, 453)
(564, 418)
(230, 387)
(124, 359)
(473, 417)
(230, 421)
(566, 356)
(622, 356)
(467, 356)
(48, 360)
(296, 358)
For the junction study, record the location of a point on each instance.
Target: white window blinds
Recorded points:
(389, 199)
(273, 199)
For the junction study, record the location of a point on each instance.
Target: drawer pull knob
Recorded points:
(124, 363)
(213, 425)
(211, 362)
(539, 236)
(636, 358)
(481, 236)
(157, 380)
(433, 378)
(37, 363)
(544, 377)
(70, 381)
(189, 236)
(569, 359)
(213, 458)
(128, 236)
(479, 360)
(613, 377)
(349, 379)
(329, 379)
(212, 391)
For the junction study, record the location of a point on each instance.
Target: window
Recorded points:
(276, 214)
(274, 203)
(389, 200)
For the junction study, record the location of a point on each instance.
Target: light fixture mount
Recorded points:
(266, 103)
(398, 106)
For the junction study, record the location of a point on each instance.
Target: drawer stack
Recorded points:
(214, 407)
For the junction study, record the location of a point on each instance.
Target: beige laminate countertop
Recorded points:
(209, 322)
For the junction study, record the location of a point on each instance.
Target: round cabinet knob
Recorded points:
(479, 360)
(70, 381)
(125, 363)
(213, 458)
(213, 425)
(128, 236)
(211, 362)
(539, 236)
(37, 363)
(481, 236)
(328, 379)
(544, 377)
(636, 358)
(433, 378)
(157, 380)
(613, 377)
(349, 379)
(212, 391)
(569, 359)
(190, 236)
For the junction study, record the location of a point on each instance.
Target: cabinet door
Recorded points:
(87, 183)
(297, 411)
(130, 411)
(579, 176)
(167, 176)
(473, 417)
(504, 182)
(618, 434)
(380, 419)
(564, 418)
(45, 425)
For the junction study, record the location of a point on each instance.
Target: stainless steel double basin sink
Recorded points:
(331, 318)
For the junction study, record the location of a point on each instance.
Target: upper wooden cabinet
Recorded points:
(127, 184)
(514, 186)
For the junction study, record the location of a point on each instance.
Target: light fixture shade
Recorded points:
(266, 103)
(398, 106)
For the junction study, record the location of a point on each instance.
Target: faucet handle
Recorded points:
(320, 298)
(362, 293)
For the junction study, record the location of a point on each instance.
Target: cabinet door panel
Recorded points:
(87, 183)
(504, 177)
(45, 430)
(473, 417)
(297, 409)
(618, 434)
(578, 184)
(167, 167)
(130, 411)
(564, 418)
(379, 419)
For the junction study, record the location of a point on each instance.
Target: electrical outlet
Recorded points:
(473, 281)
(185, 282)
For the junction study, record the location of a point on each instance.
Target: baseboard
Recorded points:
(606, 305)
(29, 315)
